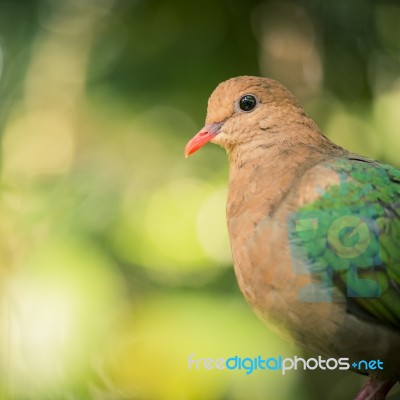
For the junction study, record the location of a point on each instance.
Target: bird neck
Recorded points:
(293, 138)
(259, 168)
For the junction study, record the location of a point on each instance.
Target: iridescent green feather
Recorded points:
(352, 234)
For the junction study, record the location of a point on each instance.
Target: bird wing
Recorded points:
(350, 235)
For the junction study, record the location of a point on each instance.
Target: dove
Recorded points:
(314, 229)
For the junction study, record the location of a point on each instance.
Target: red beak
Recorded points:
(204, 136)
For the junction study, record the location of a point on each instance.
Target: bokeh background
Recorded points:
(114, 256)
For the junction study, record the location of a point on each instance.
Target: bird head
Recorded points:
(240, 109)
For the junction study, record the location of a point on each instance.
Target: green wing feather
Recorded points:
(351, 233)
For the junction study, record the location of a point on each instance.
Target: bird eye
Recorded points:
(247, 102)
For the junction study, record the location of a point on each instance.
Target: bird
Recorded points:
(314, 229)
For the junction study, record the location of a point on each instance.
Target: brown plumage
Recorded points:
(279, 163)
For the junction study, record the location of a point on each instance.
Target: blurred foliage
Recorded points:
(115, 261)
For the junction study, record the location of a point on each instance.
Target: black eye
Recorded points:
(247, 102)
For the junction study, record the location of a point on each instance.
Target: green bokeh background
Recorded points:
(114, 257)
